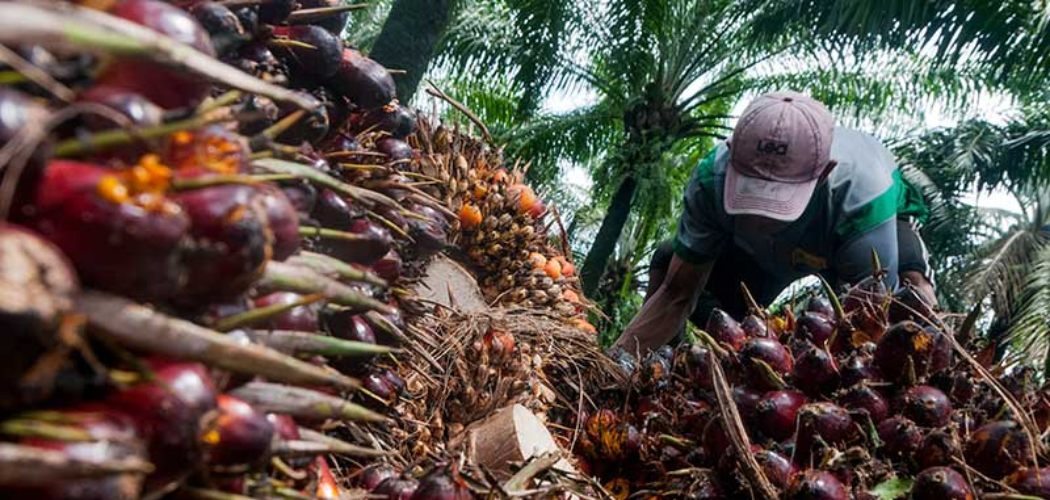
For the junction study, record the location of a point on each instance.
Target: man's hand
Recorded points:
(665, 312)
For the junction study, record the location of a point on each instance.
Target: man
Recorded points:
(788, 195)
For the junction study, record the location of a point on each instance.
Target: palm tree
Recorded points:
(667, 74)
(992, 255)
(409, 40)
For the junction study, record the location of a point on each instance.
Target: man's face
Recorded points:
(757, 224)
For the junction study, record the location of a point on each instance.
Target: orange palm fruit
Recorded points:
(553, 269)
(469, 216)
(584, 325)
(570, 296)
(567, 269)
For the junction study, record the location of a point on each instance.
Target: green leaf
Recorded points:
(892, 489)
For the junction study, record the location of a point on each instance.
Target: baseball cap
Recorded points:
(779, 149)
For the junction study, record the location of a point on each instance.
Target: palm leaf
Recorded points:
(1029, 329)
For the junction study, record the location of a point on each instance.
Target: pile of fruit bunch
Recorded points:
(872, 397)
(501, 225)
(484, 361)
(210, 213)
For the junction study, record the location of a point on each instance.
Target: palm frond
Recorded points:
(999, 271)
(1029, 329)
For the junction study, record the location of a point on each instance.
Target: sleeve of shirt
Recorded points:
(699, 239)
(853, 259)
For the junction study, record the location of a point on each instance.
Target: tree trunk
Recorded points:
(409, 40)
(608, 234)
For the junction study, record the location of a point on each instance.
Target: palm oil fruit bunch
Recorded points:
(196, 279)
(837, 400)
(500, 223)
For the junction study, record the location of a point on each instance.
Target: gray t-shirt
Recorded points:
(851, 213)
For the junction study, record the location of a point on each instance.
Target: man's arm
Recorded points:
(666, 311)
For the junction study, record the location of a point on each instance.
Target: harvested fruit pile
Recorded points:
(871, 398)
(214, 215)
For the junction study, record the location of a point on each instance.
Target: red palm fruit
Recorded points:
(170, 412)
(241, 435)
(210, 150)
(284, 426)
(814, 327)
(373, 475)
(442, 483)
(111, 437)
(397, 488)
(724, 329)
(816, 371)
(325, 487)
(925, 405)
(334, 212)
(863, 397)
(693, 417)
(231, 241)
(302, 195)
(900, 436)
(39, 287)
(395, 149)
(778, 468)
(770, 352)
(365, 82)
(941, 483)
(118, 239)
(755, 326)
(746, 400)
(319, 62)
(349, 326)
(137, 109)
(283, 221)
(379, 384)
(375, 242)
(311, 128)
(865, 305)
(860, 366)
(927, 349)
(393, 119)
(223, 26)
(776, 413)
(160, 84)
(938, 448)
(276, 11)
(698, 366)
(430, 233)
(1033, 481)
(819, 304)
(998, 448)
(388, 266)
(333, 23)
(817, 485)
(500, 344)
(821, 422)
(715, 440)
(394, 380)
(258, 112)
(300, 318)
